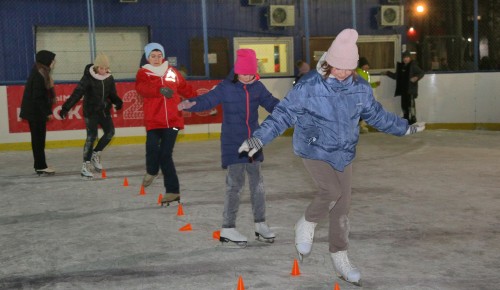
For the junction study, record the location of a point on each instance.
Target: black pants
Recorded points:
(408, 107)
(92, 123)
(159, 150)
(38, 131)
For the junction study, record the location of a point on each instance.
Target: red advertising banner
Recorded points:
(131, 114)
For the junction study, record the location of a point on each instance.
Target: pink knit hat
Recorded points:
(343, 53)
(246, 62)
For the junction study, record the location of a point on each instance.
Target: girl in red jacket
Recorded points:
(161, 85)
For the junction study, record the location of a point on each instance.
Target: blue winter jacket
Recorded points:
(240, 106)
(325, 116)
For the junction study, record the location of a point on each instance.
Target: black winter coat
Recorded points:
(37, 99)
(407, 87)
(99, 94)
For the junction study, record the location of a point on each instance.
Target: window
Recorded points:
(274, 54)
(123, 45)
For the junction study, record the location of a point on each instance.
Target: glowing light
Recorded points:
(420, 8)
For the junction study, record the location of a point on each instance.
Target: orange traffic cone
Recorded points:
(295, 269)
(125, 181)
(142, 192)
(336, 287)
(160, 197)
(103, 174)
(179, 210)
(216, 235)
(186, 228)
(241, 285)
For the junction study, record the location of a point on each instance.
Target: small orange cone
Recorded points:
(103, 174)
(179, 210)
(216, 235)
(142, 192)
(337, 287)
(241, 285)
(186, 228)
(125, 181)
(295, 269)
(160, 197)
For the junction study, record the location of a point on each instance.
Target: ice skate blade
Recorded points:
(358, 283)
(169, 202)
(227, 243)
(261, 238)
(87, 177)
(97, 170)
(42, 173)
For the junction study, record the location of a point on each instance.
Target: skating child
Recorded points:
(160, 84)
(324, 109)
(240, 94)
(97, 87)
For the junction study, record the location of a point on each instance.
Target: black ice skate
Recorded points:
(231, 238)
(46, 171)
(170, 197)
(263, 233)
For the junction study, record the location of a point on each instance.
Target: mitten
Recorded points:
(251, 145)
(415, 128)
(185, 105)
(63, 113)
(166, 92)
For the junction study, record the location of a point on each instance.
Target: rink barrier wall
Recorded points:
(458, 101)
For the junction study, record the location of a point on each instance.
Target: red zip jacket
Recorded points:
(160, 112)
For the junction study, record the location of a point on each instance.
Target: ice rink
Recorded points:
(425, 215)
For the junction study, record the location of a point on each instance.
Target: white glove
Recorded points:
(185, 105)
(416, 128)
(251, 145)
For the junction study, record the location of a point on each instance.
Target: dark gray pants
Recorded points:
(333, 199)
(235, 180)
(92, 123)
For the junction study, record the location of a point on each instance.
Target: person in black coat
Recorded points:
(98, 87)
(407, 75)
(36, 106)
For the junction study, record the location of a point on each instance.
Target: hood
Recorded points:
(89, 71)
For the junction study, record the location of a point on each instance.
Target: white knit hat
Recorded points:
(343, 53)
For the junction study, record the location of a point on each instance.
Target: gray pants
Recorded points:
(235, 180)
(333, 199)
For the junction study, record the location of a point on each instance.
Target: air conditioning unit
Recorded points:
(129, 1)
(281, 15)
(391, 15)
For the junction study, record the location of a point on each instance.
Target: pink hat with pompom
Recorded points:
(343, 53)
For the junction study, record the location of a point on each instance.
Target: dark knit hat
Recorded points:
(406, 54)
(45, 57)
(362, 61)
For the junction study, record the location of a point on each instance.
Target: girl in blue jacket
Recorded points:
(240, 94)
(324, 108)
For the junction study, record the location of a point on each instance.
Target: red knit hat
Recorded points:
(246, 62)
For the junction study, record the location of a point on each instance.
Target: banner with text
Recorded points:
(131, 115)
